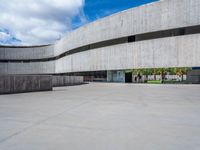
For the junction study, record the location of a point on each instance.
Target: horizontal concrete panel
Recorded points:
(28, 68)
(20, 53)
(67, 80)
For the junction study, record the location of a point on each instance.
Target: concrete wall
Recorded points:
(182, 51)
(67, 80)
(26, 53)
(162, 15)
(179, 51)
(24, 83)
(28, 68)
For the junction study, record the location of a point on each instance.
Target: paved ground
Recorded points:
(102, 117)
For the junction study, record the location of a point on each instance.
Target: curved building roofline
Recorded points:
(24, 46)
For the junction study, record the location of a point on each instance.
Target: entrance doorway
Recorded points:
(128, 77)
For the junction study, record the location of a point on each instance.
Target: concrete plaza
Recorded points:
(102, 116)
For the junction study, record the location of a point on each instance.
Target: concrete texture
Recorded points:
(24, 83)
(161, 15)
(26, 53)
(182, 51)
(67, 80)
(102, 116)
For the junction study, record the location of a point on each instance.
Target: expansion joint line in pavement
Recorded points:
(48, 118)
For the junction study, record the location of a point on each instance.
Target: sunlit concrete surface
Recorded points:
(102, 116)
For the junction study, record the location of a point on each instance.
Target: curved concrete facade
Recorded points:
(167, 51)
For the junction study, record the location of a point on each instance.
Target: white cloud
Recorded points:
(3, 36)
(39, 21)
(6, 38)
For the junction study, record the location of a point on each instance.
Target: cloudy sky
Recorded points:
(36, 22)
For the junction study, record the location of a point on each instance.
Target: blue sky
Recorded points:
(99, 8)
(45, 21)
(95, 9)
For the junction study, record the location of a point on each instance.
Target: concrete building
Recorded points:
(160, 34)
